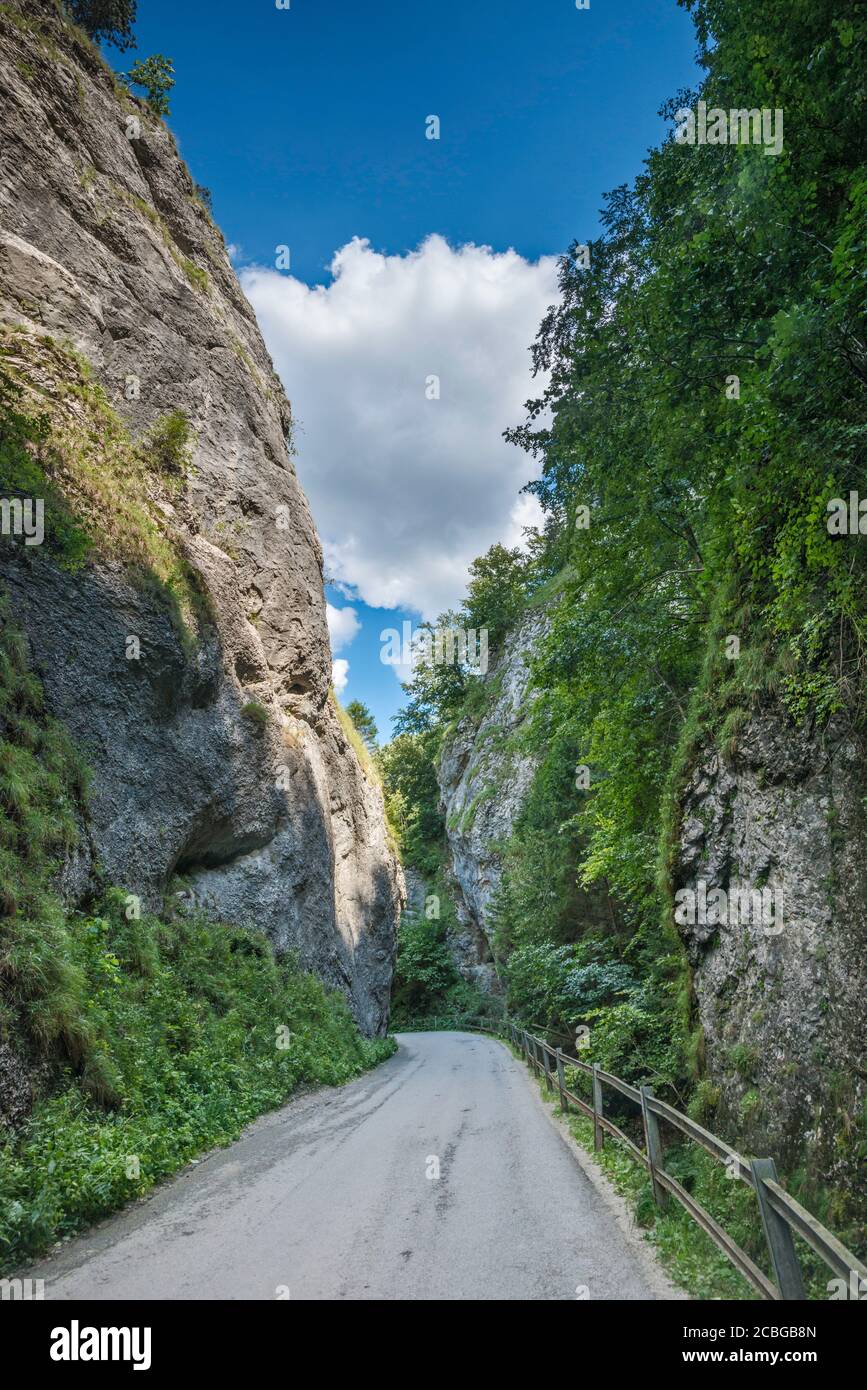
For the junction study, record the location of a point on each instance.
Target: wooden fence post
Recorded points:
(784, 1256)
(547, 1065)
(598, 1132)
(653, 1147)
(561, 1083)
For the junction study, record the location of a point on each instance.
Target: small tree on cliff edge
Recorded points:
(157, 76)
(364, 722)
(111, 20)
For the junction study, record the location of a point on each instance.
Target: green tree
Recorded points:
(364, 723)
(412, 797)
(425, 971)
(107, 21)
(497, 591)
(157, 76)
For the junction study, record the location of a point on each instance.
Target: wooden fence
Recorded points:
(781, 1215)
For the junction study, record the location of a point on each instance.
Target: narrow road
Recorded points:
(336, 1196)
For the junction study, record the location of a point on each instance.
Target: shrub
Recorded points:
(157, 76)
(166, 446)
(194, 1029)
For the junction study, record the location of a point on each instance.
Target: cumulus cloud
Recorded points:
(408, 490)
(343, 625)
(339, 674)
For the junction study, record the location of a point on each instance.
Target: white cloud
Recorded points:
(339, 674)
(407, 491)
(343, 625)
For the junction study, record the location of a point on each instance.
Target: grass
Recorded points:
(36, 28)
(42, 783)
(61, 440)
(256, 713)
(156, 1037)
(198, 278)
(360, 748)
(167, 446)
(368, 766)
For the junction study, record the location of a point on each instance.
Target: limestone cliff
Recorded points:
(780, 993)
(220, 769)
(484, 778)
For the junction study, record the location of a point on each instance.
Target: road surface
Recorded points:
(336, 1196)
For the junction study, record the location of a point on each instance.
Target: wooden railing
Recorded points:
(781, 1215)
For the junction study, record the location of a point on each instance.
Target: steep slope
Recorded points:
(188, 654)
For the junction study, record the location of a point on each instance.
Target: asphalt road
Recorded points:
(336, 1196)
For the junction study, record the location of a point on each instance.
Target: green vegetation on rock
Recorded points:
(62, 442)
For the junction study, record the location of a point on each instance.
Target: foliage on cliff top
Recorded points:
(368, 764)
(365, 724)
(109, 21)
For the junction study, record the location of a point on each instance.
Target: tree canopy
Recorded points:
(109, 21)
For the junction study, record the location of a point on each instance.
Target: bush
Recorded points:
(166, 446)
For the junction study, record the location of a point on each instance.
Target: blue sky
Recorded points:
(308, 125)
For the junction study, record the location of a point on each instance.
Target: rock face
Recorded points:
(780, 993)
(220, 761)
(484, 780)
